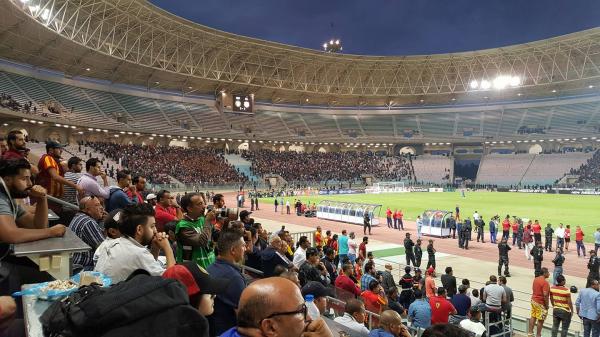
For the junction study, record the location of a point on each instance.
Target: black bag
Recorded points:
(142, 305)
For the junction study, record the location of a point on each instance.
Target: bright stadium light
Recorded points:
(45, 14)
(515, 81)
(501, 82)
(474, 84)
(485, 84)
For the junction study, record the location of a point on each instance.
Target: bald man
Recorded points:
(274, 307)
(85, 225)
(390, 325)
(272, 257)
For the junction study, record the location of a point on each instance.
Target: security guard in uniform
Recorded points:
(548, 232)
(418, 253)
(503, 249)
(467, 228)
(538, 256)
(480, 225)
(430, 255)
(594, 268)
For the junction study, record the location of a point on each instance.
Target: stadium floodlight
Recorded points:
(333, 46)
(25, 120)
(485, 84)
(515, 81)
(151, 138)
(553, 90)
(45, 14)
(73, 127)
(90, 129)
(24, 1)
(59, 125)
(501, 82)
(80, 132)
(122, 132)
(591, 86)
(584, 138)
(474, 84)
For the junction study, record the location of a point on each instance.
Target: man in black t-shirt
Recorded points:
(408, 250)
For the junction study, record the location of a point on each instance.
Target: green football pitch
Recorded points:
(573, 210)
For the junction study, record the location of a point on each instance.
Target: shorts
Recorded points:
(538, 311)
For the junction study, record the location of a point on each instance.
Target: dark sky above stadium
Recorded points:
(393, 27)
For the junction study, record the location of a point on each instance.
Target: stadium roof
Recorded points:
(135, 42)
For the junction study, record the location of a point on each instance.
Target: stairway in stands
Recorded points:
(242, 165)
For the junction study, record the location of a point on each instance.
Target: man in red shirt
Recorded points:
(388, 216)
(17, 148)
(441, 308)
(537, 231)
(505, 228)
(345, 283)
(373, 298)
(362, 248)
(166, 210)
(515, 230)
(140, 184)
(540, 298)
(398, 224)
(579, 241)
(319, 237)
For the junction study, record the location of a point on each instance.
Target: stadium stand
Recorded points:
(589, 173)
(546, 169)
(503, 170)
(433, 169)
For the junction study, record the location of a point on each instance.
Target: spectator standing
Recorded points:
(362, 248)
(528, 240)
(593, 267)
(51, 174)
(89, 182)
(420, 225)
(579, 241)
(167, 209)
(388, 281)
(462, 304)
(140, 185)
(493, 296)
(352, 247)
(193, 234)
(510, 297)
(560, 297)
(449, 282)
(74, 166)
(540, 302)
(231, 247)
(430, 288)
(343, 246)
(588, 308)
(419, 312)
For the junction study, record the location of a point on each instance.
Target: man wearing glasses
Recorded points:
(85, 226)
(274, 307)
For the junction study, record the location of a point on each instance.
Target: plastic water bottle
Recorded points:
(313, 311)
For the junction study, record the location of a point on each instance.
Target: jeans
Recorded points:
(493, 236)
(558, 270)
(505, 235)
(558, 317)
(528, 247)
(560, 243)
(590, 326)
(418, 232)
(596, 246)
(580, 246)
(389, 222)
(342, 258)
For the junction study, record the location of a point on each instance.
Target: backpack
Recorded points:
(142, 305)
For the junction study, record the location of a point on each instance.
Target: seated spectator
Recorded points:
(129, 252)
(445, 330)
(166, 209)
(89, 182)
(393, 304)
(368, 276)
(475, 300)
(273, 257)
(441, 308)
(390, 326)
(354, 316)
(345, 283)
(300, 253)
(231, 247)
(320, 293)
(329, 261)
(118, 195)
(289, 274)
(419, 312)
(201, 287)
(18, 225)
(374, 297)
(275, 307)
(312, 269)
(85, 226)
(430, 288)
(193, 234)
(473, 324)
(462, 303)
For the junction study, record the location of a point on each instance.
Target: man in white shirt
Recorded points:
(118, 258)
(352, 247)
(476, 216)
(354, 316)
(560, 236)
(473, 324)
(300, 253)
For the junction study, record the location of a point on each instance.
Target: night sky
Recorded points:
(393, 27)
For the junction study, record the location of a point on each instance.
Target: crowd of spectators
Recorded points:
(332, 166)
(188, 165)
(589, 173)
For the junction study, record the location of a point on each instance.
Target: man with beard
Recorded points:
(194, 235)
(16, 146)
(52, 174)
(128, 253)
(18, 225)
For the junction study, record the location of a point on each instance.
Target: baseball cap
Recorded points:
(430, 270)
(150, 196)
(244, 214)
(316, 289)
(196, 279)
(52, 144)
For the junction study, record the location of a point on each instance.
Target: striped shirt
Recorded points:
(88, 230)
(560, 297)
(70, 194)
(365, 280)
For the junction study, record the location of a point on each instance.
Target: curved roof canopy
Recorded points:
(135, 42)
